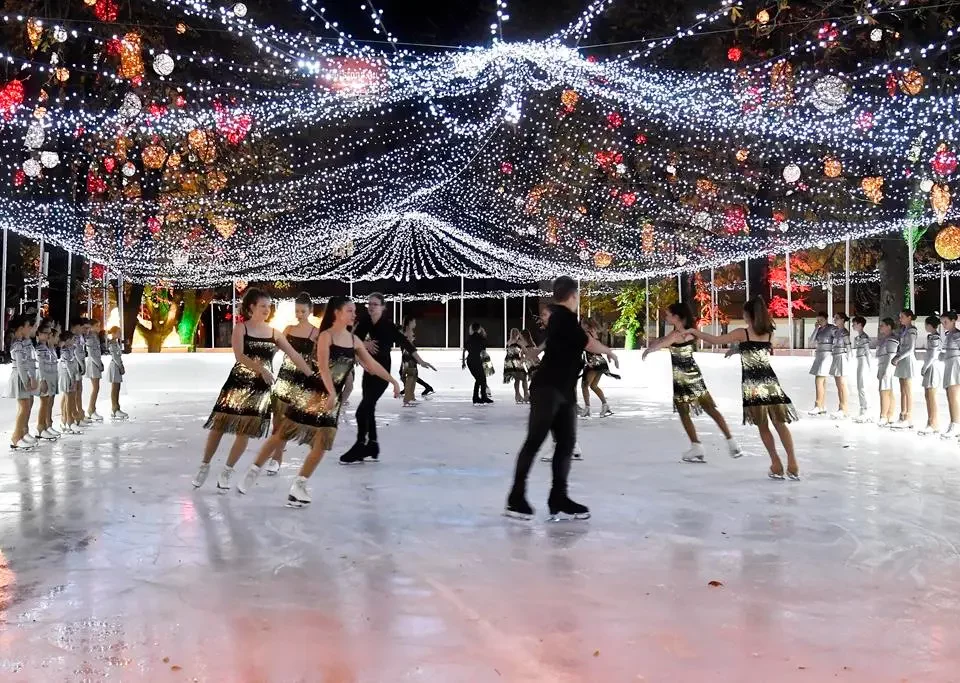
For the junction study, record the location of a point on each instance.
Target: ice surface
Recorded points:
(113, 568)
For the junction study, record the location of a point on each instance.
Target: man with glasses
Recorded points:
(379, 335)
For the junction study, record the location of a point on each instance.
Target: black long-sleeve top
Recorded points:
(475, 345)
(386, 334)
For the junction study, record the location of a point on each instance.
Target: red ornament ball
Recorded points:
(19, 177)
(97, 272)
(153, 225)
(944, 162)
(628, 199)
(866, 120)
(614, 119)
(734, 54)
(506, 168)
(641, 139)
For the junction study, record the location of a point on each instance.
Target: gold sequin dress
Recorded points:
(689, 390)
(291, 383)
(305, 421)
(244, 404)
(763, 397)
(513, 365)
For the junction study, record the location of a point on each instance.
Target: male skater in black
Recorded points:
(553, 404)
(378, 334)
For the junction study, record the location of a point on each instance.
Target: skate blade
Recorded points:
(736, 456)
(295, 503)
(698, 460)
(347, 463)
(517, 515)
(566, 517)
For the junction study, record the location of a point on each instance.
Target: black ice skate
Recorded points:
(518, 507)
(562, 509)
(354, 455)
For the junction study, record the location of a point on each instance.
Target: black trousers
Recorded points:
(373, 388)
(475, 365)
(425, 386)
(550, 411)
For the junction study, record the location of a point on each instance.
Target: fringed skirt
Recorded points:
(244, 406)
(693, 405)
(781, 413)
(764, 399)
(598, 364)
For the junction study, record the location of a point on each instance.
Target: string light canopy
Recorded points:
(325, 156)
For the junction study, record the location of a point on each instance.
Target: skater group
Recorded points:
(48, 361)
(897, 367)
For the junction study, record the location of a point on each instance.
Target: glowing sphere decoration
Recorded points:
(944, 162)
(743, 154)
(19, 177)
(163, 64)
(239, 10)
(32, 168)
(132, 106)
(876, 35)
(912, 82)
(947, 243)
(154, 156)
(569, 99)
(181, 28)
(926, 185)
(584, 255)
(506, 168)
(154, 225)
(791, 173)
(763, 17)
(829, 94)
(62, 75)
(832, 168)
(49, 159)
(602, 259)
(872, 187)
(614, 119)
(129, 169)
(735, 54)
(60, 34)
(865, 121)
(735, 220)
(35, 135)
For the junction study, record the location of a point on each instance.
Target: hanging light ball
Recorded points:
(912, 82)
(829, 94)
(60, 34)
(240, 10)
(49, 159)
(735, 54)
(154, 156)
(32, 168)
(926, 185)
(947, 243)
(832, 168)
(163, 64)
(602, 259)
(584, 255)
(876, 35)
(763, 17)
(132, 106)
(743, 154)
(62, 74)
(791, 173)
(129, 169)
(35, 135)
(181, 28)
(944, 162)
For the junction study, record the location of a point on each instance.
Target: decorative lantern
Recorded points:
(912, 82)
(832, 168)
(131, 56)
(602, 259)
(163, 64)
(830, 94)
(791, 173)
(947, 243)
(154, 156)
(743, 154)
(734, 54)
(873, 188)
(944, 162)
(569, 99)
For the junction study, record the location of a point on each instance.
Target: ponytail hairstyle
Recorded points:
(66, 336)
(756, 310)
(682, 311)
(888, 322)
(514, 336)
(843, 316)
(475, 328)
(527, 337)
(251, 299)
(859, 320)
(933, 321)
(949, 315)
(335, 305)
(46, 326)
(910, 314)
(407, 319)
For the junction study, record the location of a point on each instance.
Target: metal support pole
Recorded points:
(523, 324)
(913, 302)
(941, 286)
(401, 309)
(90, 289)
(679, 289)
(462, 302)
(505, 337)
(233, 311)
(949, 305)
(40, 272)
(446, 333)
(213, 327)
(846, 275)
(66, 321)
(713, 300)
(789, 305)
(393, 311)
(746, 276)
(578, 299)
(120, 307)
(3, 296)
(646, 321)
(105, 297)
(351, 288)
(829, 290)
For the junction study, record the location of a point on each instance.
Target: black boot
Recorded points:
(372, 451)
(354, 455)
(517, 506)
(562, 508)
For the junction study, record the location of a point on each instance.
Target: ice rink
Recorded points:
(113, 568)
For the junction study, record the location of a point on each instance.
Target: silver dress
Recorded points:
(932, 370)
(906, 358)
(80, 355)
(840, 351)
(67, 371)
(822, 339)
(94, 361)
(24, 369)
(951, 359)
(861, 345)
(115, 370)
(886, 350)
(47, 365)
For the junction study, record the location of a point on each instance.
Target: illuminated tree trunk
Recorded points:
(194, 304)
(160, 325)
(892, 267)
(132, 298)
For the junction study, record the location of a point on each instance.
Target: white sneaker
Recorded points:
(299, 495)
(201, 475)
(223, 481)
(695, 454)
(816, 411)
(49, 435)
(953, 431)
(95, 417)
(734, 448)
(272, 468)
(902, 424)
(585, 411)
(839, 415)
(605, 410)
(118, 415)
(249, 479)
